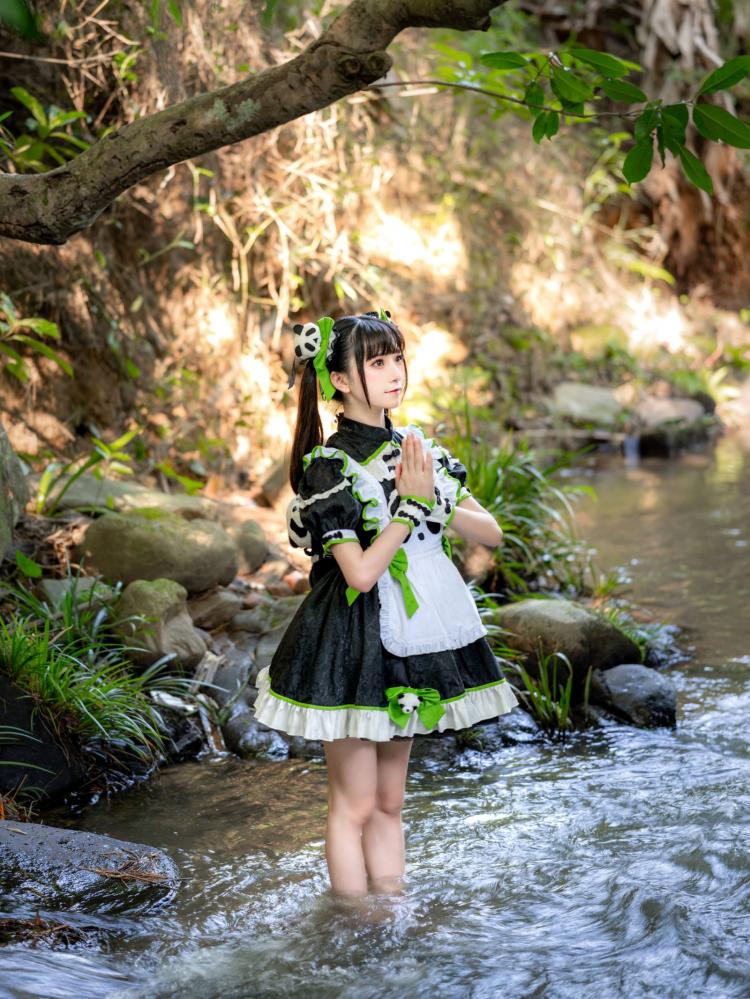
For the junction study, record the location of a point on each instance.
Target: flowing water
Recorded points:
(614, 865)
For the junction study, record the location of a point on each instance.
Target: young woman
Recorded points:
(388, 643)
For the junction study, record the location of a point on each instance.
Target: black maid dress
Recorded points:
(331, 676)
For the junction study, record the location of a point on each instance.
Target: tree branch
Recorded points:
(51, 207)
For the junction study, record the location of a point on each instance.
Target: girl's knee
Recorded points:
(390, 803)
(357, 812)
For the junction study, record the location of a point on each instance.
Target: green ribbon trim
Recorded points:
(397, 568)
(325, 325)
(429, 709)
(446, 546)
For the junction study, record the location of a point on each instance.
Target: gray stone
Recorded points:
(67, 869)
(587, 639)
(125, 495)
(268, 615)
(251, 541)
(636, 693)
(584, 403)
(154, 545)
(250, 739)
(171, 629)
(14, 491)
(53, 591)
(211, 610)
(652, 411)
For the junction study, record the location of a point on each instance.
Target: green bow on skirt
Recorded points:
(429, 709)
(397, 568)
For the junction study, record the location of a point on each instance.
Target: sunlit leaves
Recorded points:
(622, 91)
(606, 64)
(504, 60)
(718, 124)
(732, 72)
(570, 87)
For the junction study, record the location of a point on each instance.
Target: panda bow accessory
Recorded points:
(314, 341)
(403, 701)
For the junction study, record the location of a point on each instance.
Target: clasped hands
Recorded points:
(415, 476)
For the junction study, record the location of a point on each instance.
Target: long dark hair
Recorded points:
(358, 338)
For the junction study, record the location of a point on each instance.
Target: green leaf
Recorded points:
(660, 143)
(645, 123)
(695, 172)
(675, 119)
(570, 87)
(726, 76)
(44, 327)
(607, 65)
(553, 124)
(28, 566)
(716, 123)
(620, 90)
(539, 128)
(534, 95)
(20, 18)
(638, 161)
(42, 348)
(503, 60)
(30, 102)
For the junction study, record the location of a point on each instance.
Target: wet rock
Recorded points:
(62, 768)
(248, 738)
(67, 868)
(14, 491)
(267, 615)
(548, 625)
(305, 749)
(125, 496)
(669, 424)
(213, 609)
(582, 403)
(171, 629)
(636, 693)
(154, 545)
(266, 648)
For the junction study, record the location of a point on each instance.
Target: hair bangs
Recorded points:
(381, 338)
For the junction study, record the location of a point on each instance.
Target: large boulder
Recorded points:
(14, 492)
(587, 404)
(171, 629)
(636, 694)
(69, 869)
(125, 495)
(669, 424)
(549, 625)
(36, 760)
(154, 545)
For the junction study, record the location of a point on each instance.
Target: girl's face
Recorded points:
(385, 376)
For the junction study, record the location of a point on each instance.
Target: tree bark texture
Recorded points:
(51, 207)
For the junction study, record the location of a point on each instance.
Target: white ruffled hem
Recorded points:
(321, 723)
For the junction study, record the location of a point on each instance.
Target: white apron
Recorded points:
(447, 616)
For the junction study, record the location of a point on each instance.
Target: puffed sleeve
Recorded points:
(325, 511)
(456, 470)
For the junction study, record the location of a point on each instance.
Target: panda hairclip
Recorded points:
(314, 341)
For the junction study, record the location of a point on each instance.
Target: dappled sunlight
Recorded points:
(649, 323)
(435, 249)
(220, 329)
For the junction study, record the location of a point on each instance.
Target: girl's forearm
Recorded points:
(362, 568)
(476, 526)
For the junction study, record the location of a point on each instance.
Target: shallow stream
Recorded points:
(615, 865)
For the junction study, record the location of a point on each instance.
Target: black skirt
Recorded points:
(331, 677)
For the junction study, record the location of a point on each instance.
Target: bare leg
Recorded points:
(352, 784)
(383, 834)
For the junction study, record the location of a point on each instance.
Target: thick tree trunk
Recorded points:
(53, 206)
